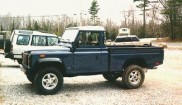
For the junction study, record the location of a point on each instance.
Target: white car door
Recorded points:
(19, 44)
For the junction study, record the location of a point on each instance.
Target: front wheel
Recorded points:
(30, 77)
(48, 81)
(133, 77)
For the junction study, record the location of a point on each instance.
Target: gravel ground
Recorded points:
(162, 86)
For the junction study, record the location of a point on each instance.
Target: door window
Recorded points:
(23, 40)
(87, 38)
(39, 41)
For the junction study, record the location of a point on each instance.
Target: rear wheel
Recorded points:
(133, 77)
(48, 81)
(110, 76)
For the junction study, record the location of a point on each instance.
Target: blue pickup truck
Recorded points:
(83, 52)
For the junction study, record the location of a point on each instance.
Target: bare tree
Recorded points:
(153, 26)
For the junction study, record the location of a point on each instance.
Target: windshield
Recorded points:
(69, 35)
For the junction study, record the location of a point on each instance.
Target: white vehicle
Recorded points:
(124, 31)
(22, 40)
(130, 40)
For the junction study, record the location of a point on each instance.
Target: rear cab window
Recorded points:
(23, 40)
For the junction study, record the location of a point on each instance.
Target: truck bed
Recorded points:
(146, 56)
(125, 49)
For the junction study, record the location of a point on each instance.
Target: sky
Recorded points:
(111, 9)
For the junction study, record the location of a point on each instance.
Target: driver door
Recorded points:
(87, 56)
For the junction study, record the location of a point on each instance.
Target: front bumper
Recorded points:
(13, 56)
(24, 68)
(9, 55)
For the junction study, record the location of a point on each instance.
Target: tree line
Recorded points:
(162, 19)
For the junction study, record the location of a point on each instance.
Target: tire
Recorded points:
(7, 45)
(48, 81)
(30, 78)
(19, 61)
(133, 77)
(111, 77)
(1, 43)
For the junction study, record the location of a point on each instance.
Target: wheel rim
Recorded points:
(135, 77)
(49, 81)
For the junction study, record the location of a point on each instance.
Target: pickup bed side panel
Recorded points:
(150, 55)
(105, 60)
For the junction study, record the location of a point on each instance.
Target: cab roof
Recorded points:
(29, 32)
(86, 28)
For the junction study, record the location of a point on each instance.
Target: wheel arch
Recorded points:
(135, 61)
(57, 64)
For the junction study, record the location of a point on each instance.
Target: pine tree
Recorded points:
(173, 11)
(143, 6)
(1, 29)
(93, 11)
(29, 26)
(13, 25)
(36, 26)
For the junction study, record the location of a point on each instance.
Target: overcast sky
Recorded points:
(108, 8)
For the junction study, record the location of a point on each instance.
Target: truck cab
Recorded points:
(87, 43)
(83, 52)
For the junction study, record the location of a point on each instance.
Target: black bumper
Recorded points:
(25, 68)
(9, 55)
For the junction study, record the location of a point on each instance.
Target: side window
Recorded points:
(128, 39)
(88, 38)
(23, 40)
(120, 40)
(52, 40)
(39, 41)
(134, 39)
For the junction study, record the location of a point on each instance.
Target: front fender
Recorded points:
(44, 60)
